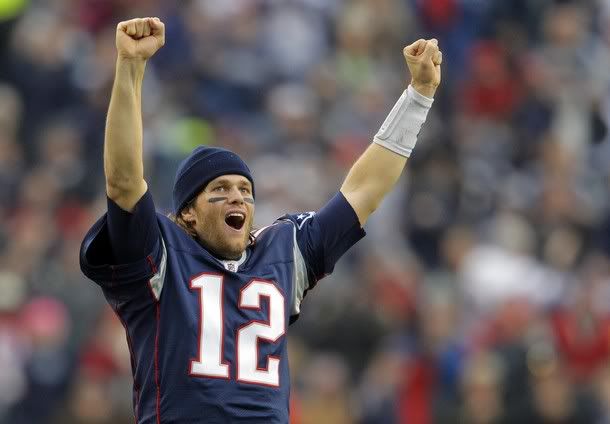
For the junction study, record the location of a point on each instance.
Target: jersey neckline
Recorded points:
(233, 265)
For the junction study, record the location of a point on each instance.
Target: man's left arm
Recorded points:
(378, 169)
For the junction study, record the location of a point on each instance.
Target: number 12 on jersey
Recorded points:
(210, 362)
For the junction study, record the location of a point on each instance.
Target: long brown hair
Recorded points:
(180, 222)
(186, 226)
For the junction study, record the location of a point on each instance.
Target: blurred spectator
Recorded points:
(45, 328)
(554, 399)
(482, 391)
(428, 389)
(324, 397)
(492, 89)
(582, 325)
(602, 393)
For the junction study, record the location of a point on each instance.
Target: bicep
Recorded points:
(371, 178)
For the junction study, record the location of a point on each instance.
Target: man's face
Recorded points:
(222, 215)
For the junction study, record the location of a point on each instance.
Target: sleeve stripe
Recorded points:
(300, 283)
(156, 281)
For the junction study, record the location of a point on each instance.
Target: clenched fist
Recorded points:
(424, 61)
(139, 38)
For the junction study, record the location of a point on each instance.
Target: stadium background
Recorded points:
(482, 293)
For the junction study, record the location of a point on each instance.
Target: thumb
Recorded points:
(414, 49)
(431, 49)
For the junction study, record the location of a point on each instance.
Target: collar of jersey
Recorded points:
(237, 263)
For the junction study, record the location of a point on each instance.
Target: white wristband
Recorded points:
(399, 130)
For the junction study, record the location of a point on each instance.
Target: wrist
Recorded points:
(132, 68)
(401, 127)
(427, 90)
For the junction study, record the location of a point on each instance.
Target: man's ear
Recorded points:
(188, 214)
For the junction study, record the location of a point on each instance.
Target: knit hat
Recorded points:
(202, 166)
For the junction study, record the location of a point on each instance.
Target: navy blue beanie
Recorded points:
(202, 166)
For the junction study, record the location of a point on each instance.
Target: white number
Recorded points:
(247, 337)
(210, 362)
(210, 331)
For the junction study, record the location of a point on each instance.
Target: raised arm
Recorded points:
(136, 41)
(378, 169)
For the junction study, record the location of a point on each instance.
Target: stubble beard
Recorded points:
(212, 238)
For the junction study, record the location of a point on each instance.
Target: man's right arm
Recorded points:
(136, 41)
(132, 223)
(123, 252)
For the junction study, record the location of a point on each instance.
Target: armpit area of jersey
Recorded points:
(325, 236)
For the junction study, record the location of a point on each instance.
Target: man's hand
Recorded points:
(424, 61)
(139, 38)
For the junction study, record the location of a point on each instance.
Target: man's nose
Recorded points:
(236, 196)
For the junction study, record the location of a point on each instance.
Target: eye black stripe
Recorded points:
(216, 199)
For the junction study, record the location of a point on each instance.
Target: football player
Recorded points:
(205, 301)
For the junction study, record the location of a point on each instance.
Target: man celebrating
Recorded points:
(205, 302)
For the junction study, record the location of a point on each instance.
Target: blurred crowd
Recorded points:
(482, 292)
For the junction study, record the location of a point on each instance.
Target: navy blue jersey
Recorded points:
(208, 337)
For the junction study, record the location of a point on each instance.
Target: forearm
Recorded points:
(123, 162)
(372, 177)
(378, 169)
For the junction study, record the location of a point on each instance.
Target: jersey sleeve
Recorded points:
(124, 252)
(321, 238)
